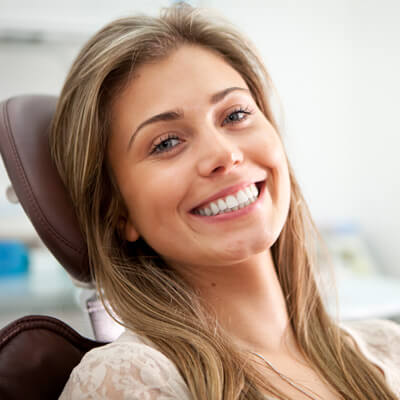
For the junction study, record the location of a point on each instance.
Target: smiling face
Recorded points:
(210, 142)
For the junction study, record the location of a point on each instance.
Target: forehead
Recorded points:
(186, 78)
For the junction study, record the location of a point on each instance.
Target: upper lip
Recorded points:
(227, 191)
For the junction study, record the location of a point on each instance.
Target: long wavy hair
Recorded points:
(145, 293)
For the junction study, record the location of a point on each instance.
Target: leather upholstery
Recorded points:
(24, 125)
(37, 354)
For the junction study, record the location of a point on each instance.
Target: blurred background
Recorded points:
(335, 67)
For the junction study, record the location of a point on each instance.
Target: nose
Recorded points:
(219, 157)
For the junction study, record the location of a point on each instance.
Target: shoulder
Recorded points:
(380, 337)
(129, 368)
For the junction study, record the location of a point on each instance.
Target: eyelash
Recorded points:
(239, 110)
(156, 147)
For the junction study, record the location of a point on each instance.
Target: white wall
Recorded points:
(335, 65)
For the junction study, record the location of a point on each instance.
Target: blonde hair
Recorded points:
(145, 293)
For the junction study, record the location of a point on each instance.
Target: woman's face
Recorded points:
(186, 132)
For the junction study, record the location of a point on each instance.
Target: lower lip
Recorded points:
(233, 214)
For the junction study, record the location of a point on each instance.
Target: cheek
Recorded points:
(271, 153)
(267, 148)
(157, 202)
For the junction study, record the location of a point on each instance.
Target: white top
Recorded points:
(131, 368)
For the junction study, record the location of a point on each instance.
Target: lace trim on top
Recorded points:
(379, 341)
(125, 369)
(132, 368)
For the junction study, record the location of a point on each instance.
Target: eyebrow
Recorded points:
(177, 114)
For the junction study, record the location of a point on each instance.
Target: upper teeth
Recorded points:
(232, 202)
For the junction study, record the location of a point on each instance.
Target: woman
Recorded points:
(198, 235)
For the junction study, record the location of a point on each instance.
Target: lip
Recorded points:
(227, 191)
(238, 213)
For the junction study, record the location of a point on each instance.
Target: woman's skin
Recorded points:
(200, 152)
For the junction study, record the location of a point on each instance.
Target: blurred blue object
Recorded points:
(14, 259)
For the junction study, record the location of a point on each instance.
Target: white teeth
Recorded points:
(241, 199)
(249, 192)
(254, 190)
(214, 208)
(231, 201)
(241, 196)
(222, 205)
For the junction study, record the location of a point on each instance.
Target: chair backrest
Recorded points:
(37, 355)
(24, 127)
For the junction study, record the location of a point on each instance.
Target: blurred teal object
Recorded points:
(14, 259)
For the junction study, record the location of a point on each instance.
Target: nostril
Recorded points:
(217, 169)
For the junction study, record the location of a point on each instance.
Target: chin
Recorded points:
(241, 249)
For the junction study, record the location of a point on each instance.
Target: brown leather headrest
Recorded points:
(24, 127)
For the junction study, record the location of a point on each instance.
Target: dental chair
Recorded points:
(38, 353)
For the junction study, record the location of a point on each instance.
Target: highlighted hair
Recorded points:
(144, 292)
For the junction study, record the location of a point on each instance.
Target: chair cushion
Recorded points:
(37, 355)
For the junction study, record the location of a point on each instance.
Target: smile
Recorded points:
(233, 202)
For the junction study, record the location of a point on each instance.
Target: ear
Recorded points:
(127, 230)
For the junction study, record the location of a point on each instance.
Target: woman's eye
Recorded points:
(165, 145)
(237, 116)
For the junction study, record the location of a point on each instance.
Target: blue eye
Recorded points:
(165, 145)
(237, 116)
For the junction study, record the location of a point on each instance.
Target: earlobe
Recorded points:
(127, 230)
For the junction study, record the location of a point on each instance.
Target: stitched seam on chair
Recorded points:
(36, 208)
(63, 331)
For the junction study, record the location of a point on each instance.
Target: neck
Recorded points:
(249, 303)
